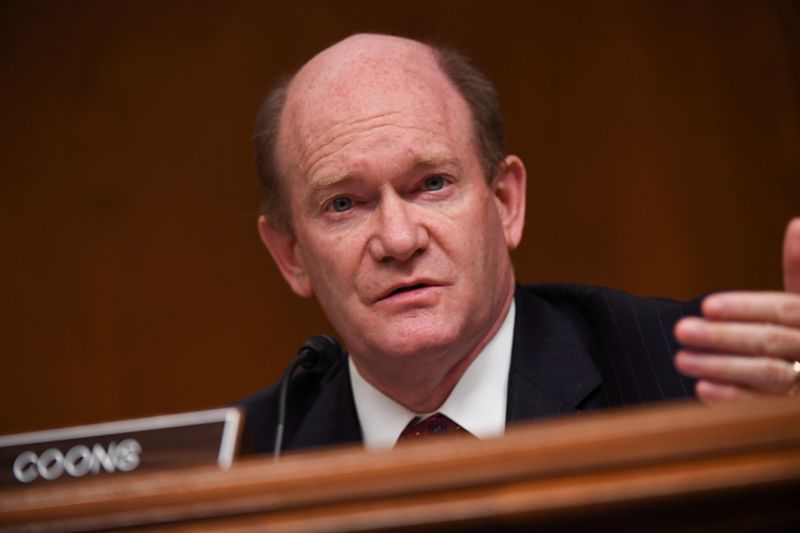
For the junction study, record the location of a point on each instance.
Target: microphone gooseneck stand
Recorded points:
(318, 355)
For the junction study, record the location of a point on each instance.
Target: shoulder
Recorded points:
(593, 300)
(595, 312)
(629, 338)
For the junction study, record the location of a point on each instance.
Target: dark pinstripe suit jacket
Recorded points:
(576, 348)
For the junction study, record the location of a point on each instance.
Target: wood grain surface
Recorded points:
(680, 465)
(662, 140)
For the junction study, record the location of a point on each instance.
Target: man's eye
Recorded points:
(434, 183)
(342, 203)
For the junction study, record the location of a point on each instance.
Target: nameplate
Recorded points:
(113, 448)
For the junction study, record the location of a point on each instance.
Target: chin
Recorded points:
(420, 342)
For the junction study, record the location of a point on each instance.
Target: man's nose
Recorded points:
(398, 233)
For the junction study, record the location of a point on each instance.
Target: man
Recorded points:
(388, 196)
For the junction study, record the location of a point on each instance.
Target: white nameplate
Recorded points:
(202, 437)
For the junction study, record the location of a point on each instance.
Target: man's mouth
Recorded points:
(402, 289)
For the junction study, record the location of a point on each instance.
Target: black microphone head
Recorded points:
(320, 353)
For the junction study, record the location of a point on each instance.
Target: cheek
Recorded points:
(332, 264)
(484, 242)
(474, 230)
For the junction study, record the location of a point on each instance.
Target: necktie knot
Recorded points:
(435, 427)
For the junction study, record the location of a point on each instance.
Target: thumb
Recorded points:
(791, 257)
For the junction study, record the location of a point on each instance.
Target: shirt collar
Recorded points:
(477, 402)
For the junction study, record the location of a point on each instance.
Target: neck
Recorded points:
(423, 386)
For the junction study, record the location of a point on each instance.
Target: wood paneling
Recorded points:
(662, 141)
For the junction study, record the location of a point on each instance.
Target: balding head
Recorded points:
(394, 221)
(366, 80)
(363, 75)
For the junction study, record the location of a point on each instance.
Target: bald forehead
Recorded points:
(361, 61)
(363, 78)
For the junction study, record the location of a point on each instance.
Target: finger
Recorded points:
(774, 307)
(739, 337)
(717, 393)
(791, 257)
(762, 374)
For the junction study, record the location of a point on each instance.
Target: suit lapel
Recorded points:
(552, 371)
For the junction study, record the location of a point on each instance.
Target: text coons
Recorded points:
(77, 461)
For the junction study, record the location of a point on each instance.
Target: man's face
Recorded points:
(397, 232)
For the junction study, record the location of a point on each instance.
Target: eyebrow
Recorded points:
(418, 162)
(331, 182)
(435, 161)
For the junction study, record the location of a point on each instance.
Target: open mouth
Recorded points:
(403, 289)
(407, 288)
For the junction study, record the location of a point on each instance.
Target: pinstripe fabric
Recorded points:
(576, 348)
(579, 348)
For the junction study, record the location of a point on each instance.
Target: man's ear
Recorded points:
(282, 245)
(508, 190)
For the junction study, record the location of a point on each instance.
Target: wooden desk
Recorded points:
(675, 466)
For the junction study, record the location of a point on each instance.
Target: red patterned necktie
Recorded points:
(434, 428)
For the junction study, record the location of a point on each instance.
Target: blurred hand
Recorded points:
(747, 343)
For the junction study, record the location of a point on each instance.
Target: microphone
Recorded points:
(318, 355)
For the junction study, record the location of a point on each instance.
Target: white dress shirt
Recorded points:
(477, 403)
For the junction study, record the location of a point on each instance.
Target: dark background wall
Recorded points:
(662, 141)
